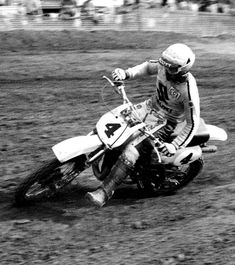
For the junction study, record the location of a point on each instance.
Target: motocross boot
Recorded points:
(119, 172)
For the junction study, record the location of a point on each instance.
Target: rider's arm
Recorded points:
(146, 68)
(192, 114)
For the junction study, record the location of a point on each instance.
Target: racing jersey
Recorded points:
(176, 101)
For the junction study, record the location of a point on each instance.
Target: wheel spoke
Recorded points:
(47, 180)
(58, 179)
(37, 190)
(172, 178)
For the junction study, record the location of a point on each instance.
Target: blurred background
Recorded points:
(204, 17)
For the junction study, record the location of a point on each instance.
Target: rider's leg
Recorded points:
(164, 133)
(122, 168)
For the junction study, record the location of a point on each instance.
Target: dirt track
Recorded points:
(50, 90)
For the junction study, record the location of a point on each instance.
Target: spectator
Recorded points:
(224, 6)
(33, 7)
(164, 3)
(68, 9)
(3, 2)
(204, 5)
(88, 12)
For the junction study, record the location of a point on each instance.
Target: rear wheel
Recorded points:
(175, 178)
(47, 180)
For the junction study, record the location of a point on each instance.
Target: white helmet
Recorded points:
(177, 59)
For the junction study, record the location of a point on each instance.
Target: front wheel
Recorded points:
(47, 180)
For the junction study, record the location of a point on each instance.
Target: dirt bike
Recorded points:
(153, 174)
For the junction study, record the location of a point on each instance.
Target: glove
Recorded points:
(167, 149)
(119, 74)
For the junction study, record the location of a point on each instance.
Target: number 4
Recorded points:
(111, 128)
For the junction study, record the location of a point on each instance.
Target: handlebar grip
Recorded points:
(118, 83)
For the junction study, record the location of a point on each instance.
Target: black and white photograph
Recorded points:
(117, 128)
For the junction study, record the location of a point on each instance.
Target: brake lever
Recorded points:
(114, 83)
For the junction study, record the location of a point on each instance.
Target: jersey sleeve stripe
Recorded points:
(191, 114)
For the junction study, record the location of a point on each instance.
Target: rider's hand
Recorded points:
(119, 74)
(167, 149)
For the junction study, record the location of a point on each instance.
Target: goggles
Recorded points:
(170, 68)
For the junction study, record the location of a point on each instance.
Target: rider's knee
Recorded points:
(131, 154)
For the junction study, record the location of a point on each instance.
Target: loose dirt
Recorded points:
(50, 90)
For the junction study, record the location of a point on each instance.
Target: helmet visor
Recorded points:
(172, 69)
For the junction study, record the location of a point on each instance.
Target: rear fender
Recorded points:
(216, 133)
(76, 146)
(205, 130)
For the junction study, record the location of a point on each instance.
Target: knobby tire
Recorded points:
(46, 177)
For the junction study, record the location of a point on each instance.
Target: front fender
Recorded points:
(76, 146)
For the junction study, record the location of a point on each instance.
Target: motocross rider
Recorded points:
(176, 100)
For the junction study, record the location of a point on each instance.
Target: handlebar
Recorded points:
(119, 87)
